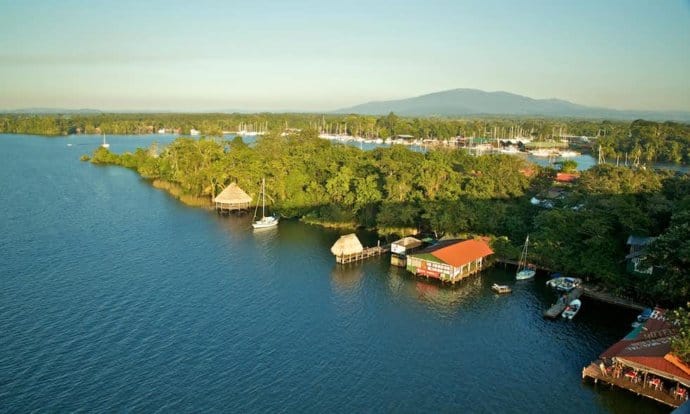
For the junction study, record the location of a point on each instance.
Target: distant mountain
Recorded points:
(458, 102)
(52, 111)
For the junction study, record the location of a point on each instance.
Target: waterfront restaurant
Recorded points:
(232, 198)
(450, 260)
(642, 362)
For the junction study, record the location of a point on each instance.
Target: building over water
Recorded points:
(232, 198)
(401, 248)
(348, 249)
(642, 362)
(450, 260)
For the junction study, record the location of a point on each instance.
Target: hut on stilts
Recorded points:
(232, 198)
(348, 249)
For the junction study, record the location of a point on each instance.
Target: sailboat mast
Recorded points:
(263, 197)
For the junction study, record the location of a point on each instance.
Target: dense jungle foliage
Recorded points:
(447, 191)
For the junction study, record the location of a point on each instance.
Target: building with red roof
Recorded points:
(450, 260)
(562, 177)
(643, 362)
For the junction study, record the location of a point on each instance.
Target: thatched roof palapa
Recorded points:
(408, 242)
(233, 194)
(347, 244)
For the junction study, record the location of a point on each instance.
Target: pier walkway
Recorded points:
(594, 292)
(364, 254)
(562, 302)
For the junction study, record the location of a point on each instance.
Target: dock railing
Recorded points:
(364, 254)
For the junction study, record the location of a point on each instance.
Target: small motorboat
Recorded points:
(642, 317)
(564, 284)
(501, 288)
(572, 309)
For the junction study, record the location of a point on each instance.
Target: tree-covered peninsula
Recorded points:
(642, 141)
(581, 230)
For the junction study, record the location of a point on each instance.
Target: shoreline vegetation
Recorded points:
(581, 231)
(640, 141)
(178, 193)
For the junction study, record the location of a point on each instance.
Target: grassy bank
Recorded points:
(177, 192)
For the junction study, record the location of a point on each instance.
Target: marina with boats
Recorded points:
(666, 382)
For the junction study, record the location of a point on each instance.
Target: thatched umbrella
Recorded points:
(347, 244)
(232, 197)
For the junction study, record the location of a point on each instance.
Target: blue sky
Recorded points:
(322, 55)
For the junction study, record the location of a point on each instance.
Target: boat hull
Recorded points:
(564, 284)
(572, 309)
(265, 223)
(525, 274)
(501, 288)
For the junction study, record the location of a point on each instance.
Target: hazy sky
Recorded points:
(323, 55)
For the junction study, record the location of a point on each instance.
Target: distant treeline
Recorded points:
(446, 191)
(637, 141)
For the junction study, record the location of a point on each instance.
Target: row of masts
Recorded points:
(633, 161)
(259, 129)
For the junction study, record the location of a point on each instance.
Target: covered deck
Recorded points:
(643, 362)
(639, 382)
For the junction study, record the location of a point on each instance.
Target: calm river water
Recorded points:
(116, 297)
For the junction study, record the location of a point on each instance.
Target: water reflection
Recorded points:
(347, 278)
(234, 224)
(442, 298)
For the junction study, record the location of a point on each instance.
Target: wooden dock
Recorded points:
(562, 302)
(593, 372)
(364, 254)
(594, 293)
(515, 263)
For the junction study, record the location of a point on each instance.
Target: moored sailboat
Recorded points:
(105, 144)
(264, 221)
(524, 270)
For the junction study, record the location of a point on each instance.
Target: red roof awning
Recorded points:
(462, 253)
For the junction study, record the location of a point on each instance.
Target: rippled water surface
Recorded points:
(116, 297)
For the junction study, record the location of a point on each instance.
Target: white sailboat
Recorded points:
(264, 222)
(524, 271)
(105, 144)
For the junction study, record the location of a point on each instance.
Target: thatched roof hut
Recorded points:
(347, 244)
(232, 198)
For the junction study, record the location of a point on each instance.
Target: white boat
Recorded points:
(572, 309)
(524, 271)
(564, 284)
(544, 152)
(511, 150)
(105, 144)
(568, 154)
(501, 288)
(264, 221)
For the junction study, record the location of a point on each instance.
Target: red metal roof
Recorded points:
(659, 364)
(462, 253)
(566, 177)
(651, 348)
